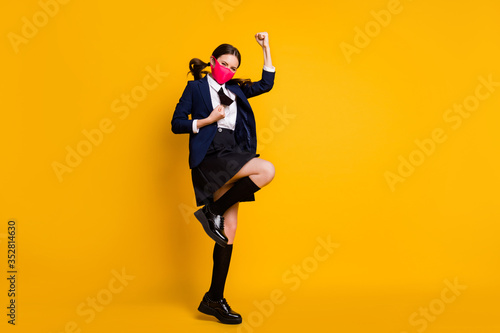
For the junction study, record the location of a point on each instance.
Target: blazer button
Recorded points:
(220, 129)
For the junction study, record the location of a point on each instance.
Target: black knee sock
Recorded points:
(222, 258)
(240, 190)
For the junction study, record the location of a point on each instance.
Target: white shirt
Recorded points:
(231, 111)
(229, 121)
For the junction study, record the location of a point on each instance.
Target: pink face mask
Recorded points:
(220, 73)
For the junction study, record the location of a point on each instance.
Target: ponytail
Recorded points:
(241, 82)
(196, 67)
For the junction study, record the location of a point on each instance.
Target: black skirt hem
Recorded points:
(222, 161)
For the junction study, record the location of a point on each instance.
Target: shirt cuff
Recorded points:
(195, 126)
(269, 69)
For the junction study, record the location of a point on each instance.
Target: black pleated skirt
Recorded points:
(223, 160)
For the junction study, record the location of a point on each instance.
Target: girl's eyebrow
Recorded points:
(225, 63)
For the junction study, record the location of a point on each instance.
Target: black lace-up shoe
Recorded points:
(213, 225)
(220, 309)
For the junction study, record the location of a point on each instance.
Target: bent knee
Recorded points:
(268, 171)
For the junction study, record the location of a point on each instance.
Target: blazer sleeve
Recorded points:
(180, 121)
(260, 87)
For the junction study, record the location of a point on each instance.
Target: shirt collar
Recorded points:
(214, 84)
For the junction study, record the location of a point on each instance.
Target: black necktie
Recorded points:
(224, 99)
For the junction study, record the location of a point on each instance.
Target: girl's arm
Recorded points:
(217, 114)
(267, 81)
(263, 40)
(180, 120)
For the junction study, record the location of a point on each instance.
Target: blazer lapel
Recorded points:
(205, 93)
(234, 88)
(244, 120)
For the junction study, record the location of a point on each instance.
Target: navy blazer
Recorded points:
(196, 101)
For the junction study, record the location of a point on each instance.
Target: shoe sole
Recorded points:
(211, 312)
(204, 222)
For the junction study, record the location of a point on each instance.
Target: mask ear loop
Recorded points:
(215, 61)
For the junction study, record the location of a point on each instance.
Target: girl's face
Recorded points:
(227, 60)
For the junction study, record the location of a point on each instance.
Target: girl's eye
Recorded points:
(233, 69)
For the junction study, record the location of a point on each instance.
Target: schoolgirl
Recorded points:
(225, 167)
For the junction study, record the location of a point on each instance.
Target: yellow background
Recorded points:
(128, 205)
